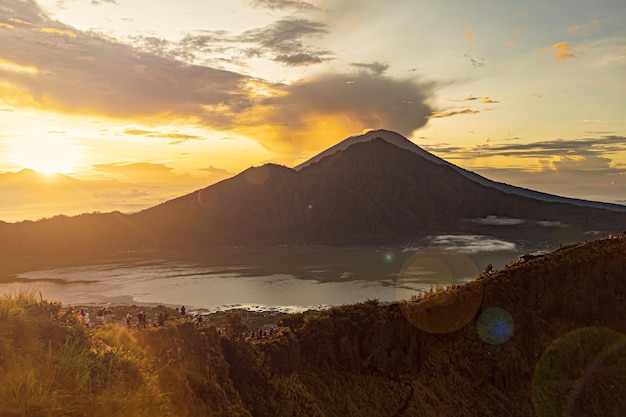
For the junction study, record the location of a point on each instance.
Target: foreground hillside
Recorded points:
(542, 337)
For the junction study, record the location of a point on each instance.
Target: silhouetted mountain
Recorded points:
(370, 191)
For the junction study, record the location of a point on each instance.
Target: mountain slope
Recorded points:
(402, 142)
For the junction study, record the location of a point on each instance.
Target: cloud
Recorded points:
(476, 63)
(472, 244)
(562, 147)
(376, 68)
(283, 39)
(217, 174)
(132, 194)
(63, 32)
(468, 34)
(577, 168)
(549, 223)
(94, 75)
(449, 113)
(488, 100)
(303, 113)
(470, 97)
(283, 5)
(492, 220)
(606, 53)
(584, 28)
(173, 136)
(99, 2)
(562, 51)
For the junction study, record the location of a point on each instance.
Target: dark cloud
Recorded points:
(376, 68)
(476, 63)
(300, 59)
(283, 5)
(283, 39)
(346, 103)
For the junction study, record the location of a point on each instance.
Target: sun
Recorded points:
(48, 155)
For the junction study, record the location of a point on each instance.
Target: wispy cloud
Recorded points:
(585, 149)
(583, 29)
(562, 51)
(174, 137)
(283, 5)
(470, 97)
(55, 31)
(492, 220)
(468, 33)
(488, 100)
(449, 113)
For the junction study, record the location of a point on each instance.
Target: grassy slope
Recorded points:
(437, 356)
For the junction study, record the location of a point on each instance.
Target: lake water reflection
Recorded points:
(285, 279)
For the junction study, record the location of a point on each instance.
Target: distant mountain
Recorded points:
(378, 188)
(370, 189)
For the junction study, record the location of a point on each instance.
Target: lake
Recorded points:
(281, 278)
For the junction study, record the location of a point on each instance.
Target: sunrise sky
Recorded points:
(140, 101)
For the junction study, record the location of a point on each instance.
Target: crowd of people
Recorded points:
(139, 320)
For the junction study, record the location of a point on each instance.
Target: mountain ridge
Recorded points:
(404, 143)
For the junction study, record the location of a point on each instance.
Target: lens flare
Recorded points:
(444, 305)
(495, 325)
(582, 373)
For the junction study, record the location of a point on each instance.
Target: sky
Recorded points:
(140, 101)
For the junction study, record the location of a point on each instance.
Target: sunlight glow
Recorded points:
(48, 155)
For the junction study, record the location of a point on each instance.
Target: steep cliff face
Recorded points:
(545, 338)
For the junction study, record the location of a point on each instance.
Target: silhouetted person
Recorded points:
(183, 310)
